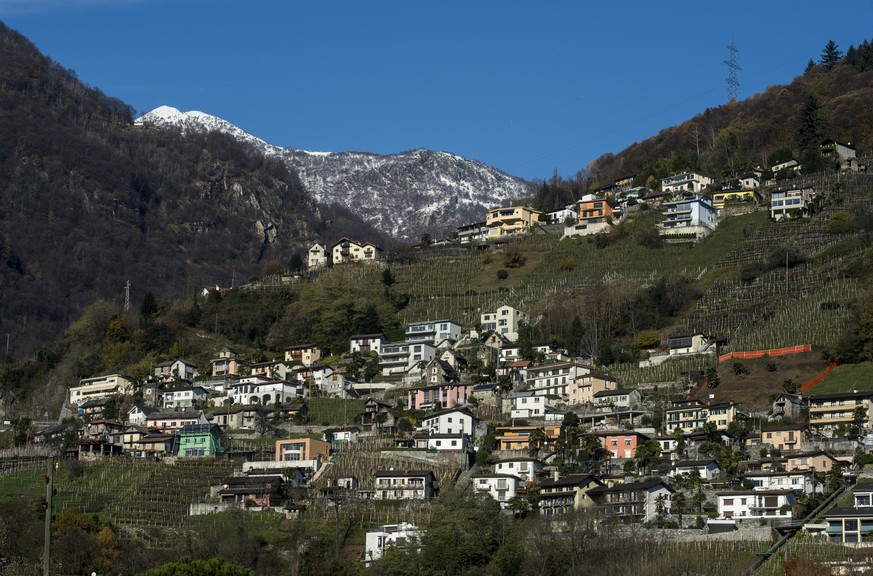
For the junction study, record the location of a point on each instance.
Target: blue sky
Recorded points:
(526, 87)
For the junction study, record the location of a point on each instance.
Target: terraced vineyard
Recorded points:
(126, 492)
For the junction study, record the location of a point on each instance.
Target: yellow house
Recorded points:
(733, 196)
(511, 220)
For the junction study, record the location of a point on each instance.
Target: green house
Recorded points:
(199, 440)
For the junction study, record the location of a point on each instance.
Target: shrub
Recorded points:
(514, 258)
(840, 223)
(569, 264)
(502, 274)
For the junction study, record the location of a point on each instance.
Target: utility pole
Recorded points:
(127, 296)
(49, 492)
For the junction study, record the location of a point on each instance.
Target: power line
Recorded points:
(733, 82)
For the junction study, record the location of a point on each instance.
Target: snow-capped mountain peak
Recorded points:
(406, 194)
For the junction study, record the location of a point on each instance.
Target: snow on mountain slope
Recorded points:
(405, 195)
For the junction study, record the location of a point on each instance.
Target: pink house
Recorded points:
(438, 396)
(621, 443)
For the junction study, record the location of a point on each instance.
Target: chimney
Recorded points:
(555, 475)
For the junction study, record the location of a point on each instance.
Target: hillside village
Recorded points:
(537, 429)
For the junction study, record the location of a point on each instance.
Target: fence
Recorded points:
(760, 353)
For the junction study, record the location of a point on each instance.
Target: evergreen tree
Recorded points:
(830, 55)
(809, 132)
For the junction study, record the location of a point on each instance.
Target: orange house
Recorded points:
(621, 443)
(518, 437)
(294, 449)
(595, 211)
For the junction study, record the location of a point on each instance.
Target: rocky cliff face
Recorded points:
(405, 195)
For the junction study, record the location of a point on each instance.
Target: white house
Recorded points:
(706, 469)
(454, 421)
(505, 321)
(100, 387)
(742, 504)
(501, 487)
(688, 182)
(624, 397)
(345, 250)
(184, 397)
(555, 379)
(790, 203)
(316, 257)
(176, 369)
(523, 467)
(404, 484)
(448, 443)
(691, 343)
(529, 404)
(799, 481)
(365, 343)
(398, 357)
(689, 218)
(390, 535)
(433, 331)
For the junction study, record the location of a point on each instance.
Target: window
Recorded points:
(728, 501)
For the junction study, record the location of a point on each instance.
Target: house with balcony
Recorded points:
(176, 370)
(301, 450)
(594, 215)
(686, 415)
(634, 502)
(262, 491)
(226, 364)
(306, 354)
(474, 232)
(438, 396)
(389, 536)
(584, 388)
(690, 218)
(734, 197)
(620, 397)
(199, 440)
(837, 150)
(511, 220)
(364, 344)
(785, 438)
(101, 387)
(275, 369)
(518, 437)
(852, 525)
(400, 357)
(723, 413)
(562, 494)
(433, 332)
(828, 411)
(524, 467)
(685, 183)
(798, 480)
(184, 397)
(756, 504)
(555, 379)
(791, 203)
(506, 321)
(345, 251)
(175, 421)
(404, 485)
(501, 487)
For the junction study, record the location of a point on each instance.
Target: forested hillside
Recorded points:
(88, 202)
